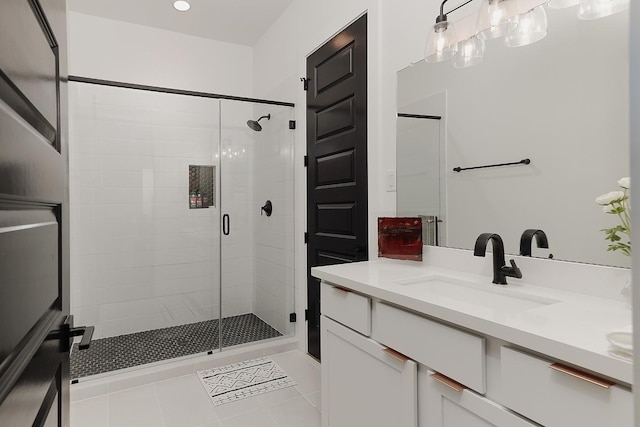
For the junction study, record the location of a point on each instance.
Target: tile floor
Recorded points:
(182, 402)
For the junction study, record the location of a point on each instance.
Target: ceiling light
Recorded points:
(182, 5)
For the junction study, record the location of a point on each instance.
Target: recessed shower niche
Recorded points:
(156, 278)
(202, 186)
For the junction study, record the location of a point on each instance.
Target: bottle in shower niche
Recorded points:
(198, 199)
(192, 200)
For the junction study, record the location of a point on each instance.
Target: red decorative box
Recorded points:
(400, 238)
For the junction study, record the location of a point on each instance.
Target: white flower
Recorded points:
(625, 183)
(612, 196)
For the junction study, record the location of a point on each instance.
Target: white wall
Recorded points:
(114, 50)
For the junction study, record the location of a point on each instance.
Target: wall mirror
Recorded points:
(561, 102)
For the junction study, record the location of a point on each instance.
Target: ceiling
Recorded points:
(233, 21)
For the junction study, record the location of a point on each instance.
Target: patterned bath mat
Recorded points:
(245, 379)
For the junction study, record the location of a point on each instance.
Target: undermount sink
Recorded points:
(472, 296)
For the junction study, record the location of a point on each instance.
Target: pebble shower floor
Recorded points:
(126, 351)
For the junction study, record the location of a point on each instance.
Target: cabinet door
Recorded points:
(363, 383)
(442, 406)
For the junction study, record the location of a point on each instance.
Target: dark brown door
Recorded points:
(34, 303)
(337, 164)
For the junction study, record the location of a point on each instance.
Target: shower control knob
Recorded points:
(267, 208)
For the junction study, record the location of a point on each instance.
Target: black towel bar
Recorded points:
(521, 162)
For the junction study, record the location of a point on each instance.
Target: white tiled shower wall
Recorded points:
(140, 258)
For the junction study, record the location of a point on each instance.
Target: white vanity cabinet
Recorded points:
(444, 403)
(386, 365)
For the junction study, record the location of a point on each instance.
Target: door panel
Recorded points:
(27, 161)
(335, 68)
(336, 220)
(27, 59)
(27, 404)
(335, 119)
(337, 168)
(34, 293)
(29, 272)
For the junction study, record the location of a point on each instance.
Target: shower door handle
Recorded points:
(225, 224)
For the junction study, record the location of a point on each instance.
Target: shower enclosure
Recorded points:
(172, 250)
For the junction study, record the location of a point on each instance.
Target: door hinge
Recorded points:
(292, 124)
(306, 315)
(306, 237)
(305, 82)
(293, 317)
(306, 161)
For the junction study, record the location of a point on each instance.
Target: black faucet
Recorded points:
(500, 270)
(527, 238)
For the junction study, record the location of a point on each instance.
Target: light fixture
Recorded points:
(561, 4)
(498, 18)
(181, 5)
(593, 9)
(470, 52)
(495, 18)
(442, 41)
(532, 26)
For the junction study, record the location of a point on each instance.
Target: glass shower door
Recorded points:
(256, 246)
(144, 261)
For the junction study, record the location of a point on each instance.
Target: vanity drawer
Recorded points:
(456, 354)
(533, 387)
(343, 306)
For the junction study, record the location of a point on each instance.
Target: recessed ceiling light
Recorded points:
(182, 5)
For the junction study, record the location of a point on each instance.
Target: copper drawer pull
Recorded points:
(343, 290)
(391, 352)
(582, 375)
(448, 382)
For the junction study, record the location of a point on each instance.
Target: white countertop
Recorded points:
(567, 326)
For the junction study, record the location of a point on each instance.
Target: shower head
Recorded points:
(254, 125)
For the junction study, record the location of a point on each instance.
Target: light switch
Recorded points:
(391, 180)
